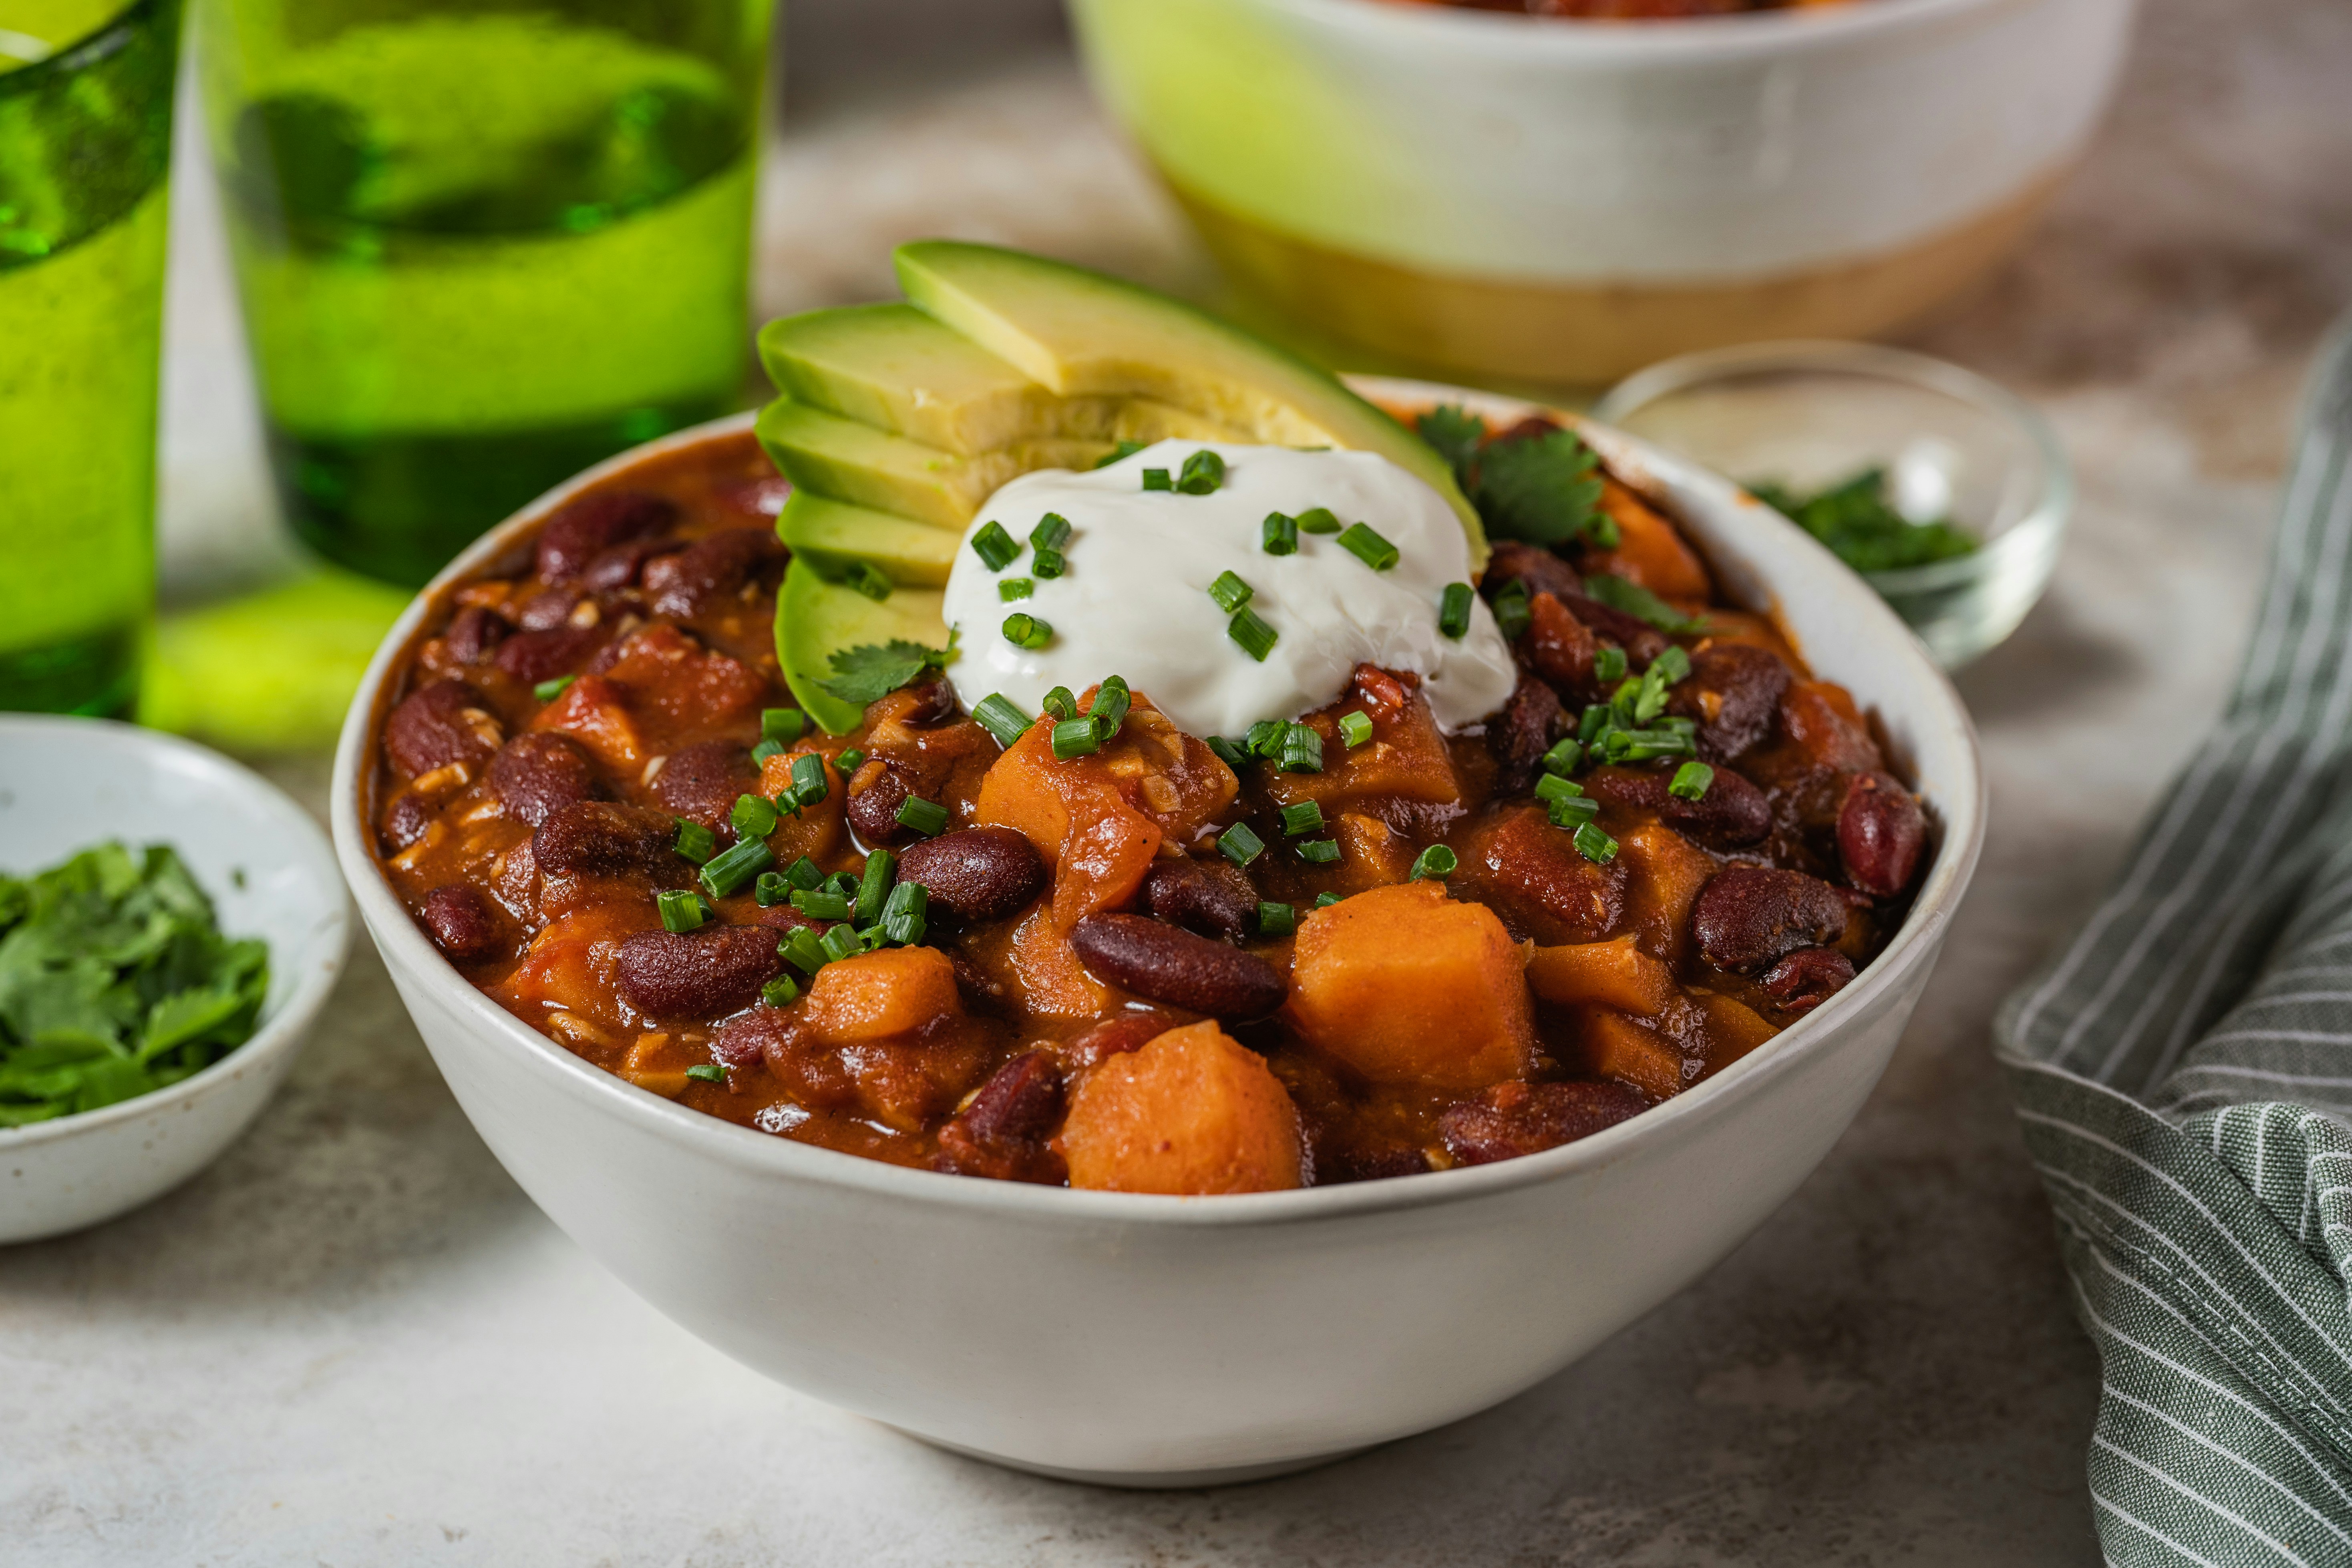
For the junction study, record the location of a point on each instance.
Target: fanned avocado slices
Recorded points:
(899, 421)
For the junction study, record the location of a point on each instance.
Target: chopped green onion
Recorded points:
(1009, 589)
(1355, 728)
(1690, 782)
(800, 946)
(1674, 665)
(1628, 693)
(1060, 704)
(1027, 631)
(1265, 737)
(707, 1072)
(995, 546)
(1049, 563)
(1648, 745)
(766, 749)
(1680, 724)
(696, 842)
(1230, 592)
(780, 992)
(1306, 816)
(1454, 610)
(1256, 639)
(844, 883)
(1317, 520)
(549, 690)
(822, 904)
(1552, 787)
(771, 889)
(1608, 664)
(727, 872)
(1595, 845)
(1366, 546)
(1278, 535)
(1112, 701)
(1325, 900)
(680, 911)
(1302, 750)
(754, 816)
(1119, 454)
(1053, 531)
(1076, 738)
(1435, 862)
(1563, 757)
(784, 724)
(997, 716)
(903, 915)
(1597, 719)
(1277, 920)
(1239, 844)
(849, 762)
(808, 779)
(1571, 810)
(1510, 607)
(1231, 755)
(1157, 479)
(802, 873)
(1320, 851)
(841, 942)
(867, 579)
(924, 816)
(875, 886)
(1203, 471)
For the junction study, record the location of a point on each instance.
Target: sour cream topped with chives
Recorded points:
(1133, 598)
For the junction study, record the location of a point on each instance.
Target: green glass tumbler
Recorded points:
(479, 244)
(85, 152)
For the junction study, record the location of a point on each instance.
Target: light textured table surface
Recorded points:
(354, 1341)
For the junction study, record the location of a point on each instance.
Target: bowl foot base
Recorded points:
(1151, 1480)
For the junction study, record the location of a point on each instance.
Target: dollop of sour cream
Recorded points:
(1133, 599)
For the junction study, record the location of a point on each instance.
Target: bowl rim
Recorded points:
(486, 1024)
(278, 1032)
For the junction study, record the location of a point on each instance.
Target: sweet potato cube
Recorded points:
(1074, 811)
(1615, 1045)
(1665, 874)
(594, 711)
(1404, 985)
(815, 830)
(880, 995)
(1190, 1113)
(1615, 974)
(1733, 1029)
(658, 1062)
(1649, 549)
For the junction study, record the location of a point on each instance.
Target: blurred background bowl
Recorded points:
(1547, 200)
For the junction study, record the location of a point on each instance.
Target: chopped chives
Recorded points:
(1571, 810)
(1317, 520)
(680, 911)
(1264, 738)
(1202, 472)
(1355, 728)
(1674, 665)
(1230, 592)
(780, 992)
(841, 942)
(1454, 610)
(995, 546)
(802, 873)
(1595, 845)
(1608, 664)
(1366, 546)
(1049, 563)
(1119, 454)
(1239, 844)
(822, 904)
(725, 874)
(1256, 639)
(849, 762)
(1027, 631)
(1510, 607)
(1053, 531)
(808, 779)
(1436, 862)
(801, 946)
(1563, 757)
(1306, 816)
(694, 841)
(924, 816)
(784, 724)
(1678, 722)
(1112, 701)
(844, 883)
(771, 889)
(1596, 722)
(1628, 693)
(754, 816)
(1325, 900)
(867, 579)
(1060, 704)
(1231, 755)
(1320, 851)
(1302, 750)
(707, 1072)
(874, 885)
(1648, 745)
(997, 716)
(903, 915)
(766, 749)
(1157, 479)
(1690, 782)
(1009, 589)
(549, 690)
(1278, 535)
(1277, 920)
(1076, 738)
(1552, 787)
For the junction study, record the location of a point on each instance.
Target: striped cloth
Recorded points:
(2183, 1072)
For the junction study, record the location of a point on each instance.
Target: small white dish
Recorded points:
(67, 784)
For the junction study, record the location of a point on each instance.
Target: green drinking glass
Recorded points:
(480, 245)
(85, 149)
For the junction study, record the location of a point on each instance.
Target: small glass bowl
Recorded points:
(1954, 445)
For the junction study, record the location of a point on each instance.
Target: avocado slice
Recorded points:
(853, 462)
(816, 618)
(834, 533)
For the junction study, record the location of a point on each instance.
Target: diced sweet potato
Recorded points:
(1371, 854)
(815, 830)
(1404, 985)
(1665, 874)
(1618, 1047)
(594, 711)
(1192, 1113)
(1733, 1029)
(1615, 973)
(570, 966)
(1406, 759)
(1826, 726)
(1649, 549)
(658, 1062)
(880, 995)
(1047, 974)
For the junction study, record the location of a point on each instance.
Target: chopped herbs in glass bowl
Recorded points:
(1859, 521)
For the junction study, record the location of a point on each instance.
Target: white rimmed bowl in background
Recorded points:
(1157, 1340)
(68, 783)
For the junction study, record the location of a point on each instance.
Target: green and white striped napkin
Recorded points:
(2183, 1072)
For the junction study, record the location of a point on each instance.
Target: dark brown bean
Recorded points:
(473, 632)
(1531, 874)
(704, 973)
(975, 873)
(1732, 814)
(702, 781)
(1115, 1036)
(461, 923)
(783, 917)
(1214, 898)
(618, 567)
(1368, 1163)
(405, 822)
(928, 702)
(873, 806)
(446, 722)
(1001, 1134)
(1161, 963)
(1516, 1119)
(1734, 692)
(538, 775)
(1538, 567)
(1807, 978)
(1748, 916)
(603, 839)
(1558, 647)
(1880, 833)
(533, 657)
(1520, 734)
(545, 611)
(1642, 641)
(708, 571)
(582, 528)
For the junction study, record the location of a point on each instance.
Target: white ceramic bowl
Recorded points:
(1157, 1340)
(1558, 200)
(67, 784)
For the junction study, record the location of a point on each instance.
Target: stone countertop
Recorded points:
(354, 1341)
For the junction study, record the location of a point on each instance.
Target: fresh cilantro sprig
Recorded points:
(1544, 489)
(871, 671)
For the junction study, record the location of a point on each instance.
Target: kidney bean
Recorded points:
(928, 702)
(785, 918)
(405, 822)
(975, 873)
(701, 782)
(1808, 977)
(873, 806)
(1734, 692)
(1534, 424)
(545, 612)
(1532, 875)
(1001, 1134)
(1213, 899)
(1558, 647)
(1880, 832)
(702, 973)
(1642, 641)
(537, 774)
(1522, 732)
(1515, 1118)
(533, 657)
(1732, 813)
(603, 839)
(1115, 1036)
(710, 570)
(461, 923)
(618, 567)
(1162, 964)
(1748, 916)
(1543, 571)
(1371, 1164)
(584, 527)
(473, 632)
(443, 722)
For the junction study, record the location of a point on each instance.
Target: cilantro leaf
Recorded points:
(1542, 489)
(869, 671)
(1457, 433)
(1624, 595)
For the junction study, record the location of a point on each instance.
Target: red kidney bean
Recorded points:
(537, 774)
(930, 701)
(1880, 832)
(1212, 898)
(533, 657)
(1533, 876)
(1731, 814)
(1368, 1163)
(975, 873)
(473, 632)
(1534, 424)
(1001, 1134)
(604, 839)
(1522, 732)
(1642, 641)
(1538, 567)
(546, 610)
(405, 821)
(873, 806)
(701, 782)
(1734, 692)
(1807, 978)
(1748, 916)
(1162, 964)
(703, 974)
(783, 917)
(595, 523)
(1515, 1118)
(461, 923)
(446, 722)
(1558, 647)
(708, 571)
(1114, 1037)
(617, 568)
